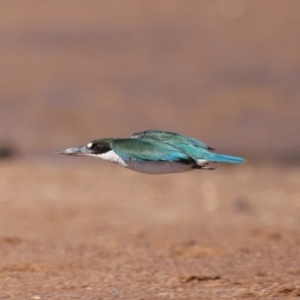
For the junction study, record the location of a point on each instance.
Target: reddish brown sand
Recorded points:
(223, 71)
(97, 231)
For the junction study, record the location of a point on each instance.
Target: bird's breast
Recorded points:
(148, 167)
(158, 167)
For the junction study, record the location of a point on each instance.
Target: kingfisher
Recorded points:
(154, 152)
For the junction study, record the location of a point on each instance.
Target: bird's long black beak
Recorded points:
(81, 150)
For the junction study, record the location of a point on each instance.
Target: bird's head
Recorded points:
(94, 148)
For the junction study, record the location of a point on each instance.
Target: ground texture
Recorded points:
(96, 231)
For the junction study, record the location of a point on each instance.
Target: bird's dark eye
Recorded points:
(99, 147)
(96, 147)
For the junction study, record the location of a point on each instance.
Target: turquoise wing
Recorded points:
(191, 147)
(147, 150)
(197, 153)
(171, 138)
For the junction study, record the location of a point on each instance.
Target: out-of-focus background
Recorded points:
(224, 71)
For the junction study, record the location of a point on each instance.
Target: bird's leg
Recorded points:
(205, 167)
(208, 168)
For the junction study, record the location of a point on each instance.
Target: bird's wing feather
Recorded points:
(147, 150)
(171, 138)
(203, 154)
(184, 144)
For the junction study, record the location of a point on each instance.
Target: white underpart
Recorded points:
(202, 162)
(149, 167)
(89, 145)
(158, 167)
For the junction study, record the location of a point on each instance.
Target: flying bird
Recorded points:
(154, 152)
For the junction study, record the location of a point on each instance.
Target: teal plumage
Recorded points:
(146, 149)
(171, 138)
(193, 148)
(215, 157)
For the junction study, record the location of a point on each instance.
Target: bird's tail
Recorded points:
(227, 158)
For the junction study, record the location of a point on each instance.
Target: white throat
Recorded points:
(111, 156)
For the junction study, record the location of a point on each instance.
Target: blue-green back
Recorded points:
(171, 138)
(147, 149)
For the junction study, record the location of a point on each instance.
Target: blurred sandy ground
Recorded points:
(226, 72)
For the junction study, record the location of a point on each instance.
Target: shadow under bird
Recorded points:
(154, 152)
